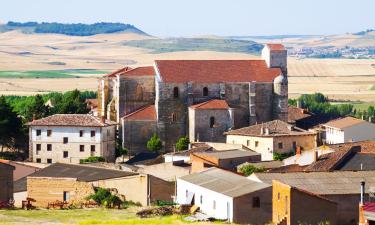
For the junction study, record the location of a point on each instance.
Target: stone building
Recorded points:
(67, 138)
(6, 181)
(255, 91)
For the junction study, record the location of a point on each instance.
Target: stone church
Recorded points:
(200, 99)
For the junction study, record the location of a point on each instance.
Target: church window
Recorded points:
(174, 117)
(212, 121)
(175, 92)
(205, 91)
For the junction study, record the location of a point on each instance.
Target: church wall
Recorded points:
(263, 102)
(136, 134)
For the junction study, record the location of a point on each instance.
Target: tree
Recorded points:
(154, 144)
(182, 144)
(71, 103)
(249, 169)
(122, 152)
(37, 109)
(10, 125)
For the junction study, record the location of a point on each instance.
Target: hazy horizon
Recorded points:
(209, 17)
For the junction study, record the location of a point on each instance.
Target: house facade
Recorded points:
(349, 129)
(272, 137)
(226, 196)
(68, 138)
(255, 91)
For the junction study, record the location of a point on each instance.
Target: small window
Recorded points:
(38, 132)
(49, 133)
(65, 140)
(81, 133)
(175, 92)
(248, 142)
(92, 148)
(66, 196)
(81, 148)
(49, 147)
(256, 143)
(174, 117)
(38, 147)
(205, 91)
(212, 122)
(214, 204)
(280, 145)
(256, 202)
(38, 160)
(201, 199)
(92, 133)
(66, 154)
(49, 161)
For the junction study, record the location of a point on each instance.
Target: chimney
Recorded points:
(298, 150)
(102, 119)
(267, 131)
(316, 155)
(261, 130)
(362, 192)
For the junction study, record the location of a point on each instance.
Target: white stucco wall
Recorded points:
(359, 132)
(222, 201)
(173, 158)
(19, 197)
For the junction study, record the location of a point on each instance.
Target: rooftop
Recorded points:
(147, 113)
(80, 172)
(295, 114)
(322, 183)
(227, 154)
(211, 104)
(271, 128)
(212, 71)
(224, 182)
(118, 72)
(192, 150)
(71, 120)
(345, 122)
(276, 47)
(140, 71)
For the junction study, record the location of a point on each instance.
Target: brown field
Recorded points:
(344, 79)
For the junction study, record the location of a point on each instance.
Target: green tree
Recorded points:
(37, 109)
(122, 152)
(182, 144)
(71, 103)
(248, 169)
(154, 144)
(10, 125)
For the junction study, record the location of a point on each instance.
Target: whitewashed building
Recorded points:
(349, 129)
(224, 195)
(67, 138)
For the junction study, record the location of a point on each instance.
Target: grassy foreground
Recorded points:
(84, 217)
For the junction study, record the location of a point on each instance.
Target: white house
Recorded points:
(67, 138)
(349, 129)
(224, 195)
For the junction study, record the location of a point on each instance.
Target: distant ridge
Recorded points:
(74, 29)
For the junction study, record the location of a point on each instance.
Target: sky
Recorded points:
(176, 18)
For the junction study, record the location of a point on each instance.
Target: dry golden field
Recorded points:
(345, 79)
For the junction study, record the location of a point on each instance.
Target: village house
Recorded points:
(289, 206)
(341, 187)
(348, 129)
(225, 195)
(6, 181)
(68, 138)
(272, 137)
(226, 159)
(73, 183)
(196, 98)
(20, 169)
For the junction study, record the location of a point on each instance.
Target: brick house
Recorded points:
(67, 138)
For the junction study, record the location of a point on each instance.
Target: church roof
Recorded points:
(213, 71)
(145, 113)
(140, 71)
(122, 70)
(211, 104)
(276, 47)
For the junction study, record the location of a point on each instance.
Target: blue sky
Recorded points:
(200, 17)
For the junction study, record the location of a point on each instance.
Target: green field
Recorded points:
(84, 217)
(50, 73)
(357, 105)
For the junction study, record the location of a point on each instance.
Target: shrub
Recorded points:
(154, 144)
(182, 144)
(104, 197)
(281, 156)
(92, 159)
(249, 169)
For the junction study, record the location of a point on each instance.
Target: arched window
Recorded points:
(212, 121)
(205, 91)
(175, 92)
(174, 117)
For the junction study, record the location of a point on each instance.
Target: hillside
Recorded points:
(77, 29)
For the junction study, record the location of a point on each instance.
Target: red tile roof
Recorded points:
(145, 113)
(140, 71)
(211, 104)
(295, 113)
(369, 207)
(211, 71)
(122, 70)
(71, 120)
(276, 47)
(344, 122)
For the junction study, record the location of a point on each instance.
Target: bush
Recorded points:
(182, 144)
(104, 197)
(154, 144)
(249, 169)
(281, 156)
(92, 159)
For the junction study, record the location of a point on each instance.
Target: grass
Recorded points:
(358, 105)
(85, 217)
(50, 73)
